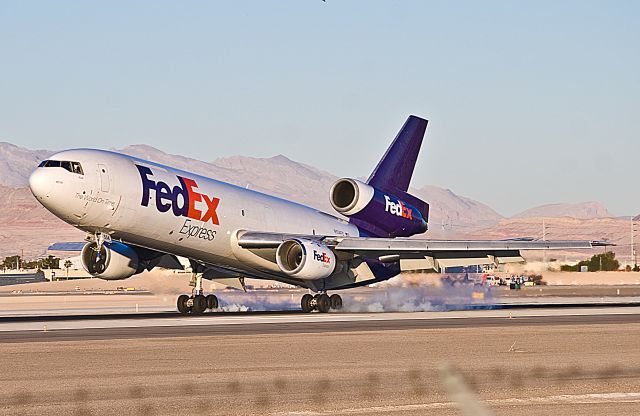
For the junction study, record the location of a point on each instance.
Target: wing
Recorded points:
(414, 254)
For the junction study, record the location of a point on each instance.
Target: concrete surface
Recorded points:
(566, 368)
(392, 299)
(552, 360)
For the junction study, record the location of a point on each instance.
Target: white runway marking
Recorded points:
(255, 319)
(592, 398)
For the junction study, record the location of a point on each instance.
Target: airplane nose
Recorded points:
(40, 184)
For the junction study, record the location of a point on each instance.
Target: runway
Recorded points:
(527, 356)
(569, 361)
(169, 325)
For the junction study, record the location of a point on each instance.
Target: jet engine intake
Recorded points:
(113, 261)
(305, 259)
(350, 196)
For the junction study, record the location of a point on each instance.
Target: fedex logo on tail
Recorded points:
(183, 200)
(399, 208)
(321, 257)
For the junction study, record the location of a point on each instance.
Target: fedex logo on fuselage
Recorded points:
(321, 257)
(399, 208)
(184, 199)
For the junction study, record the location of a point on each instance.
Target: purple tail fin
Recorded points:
(395, 169)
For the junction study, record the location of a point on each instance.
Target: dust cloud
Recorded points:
(371, 300)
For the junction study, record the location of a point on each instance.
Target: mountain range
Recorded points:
(284, 177)
(584, 210)
(451, 215)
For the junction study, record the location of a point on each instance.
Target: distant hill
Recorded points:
(16, 163)
(614, 230)
(582, 210)
(25, 226)
(448, 210)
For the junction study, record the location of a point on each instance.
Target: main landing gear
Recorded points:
(321, 303)
(197, 303)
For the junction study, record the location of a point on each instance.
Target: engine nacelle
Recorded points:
(379, 213)
(305, 259)
(350, 196)
(114, 261)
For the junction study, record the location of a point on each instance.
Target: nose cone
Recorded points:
(40, 184)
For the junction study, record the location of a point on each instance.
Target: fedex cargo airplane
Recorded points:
(139, 215)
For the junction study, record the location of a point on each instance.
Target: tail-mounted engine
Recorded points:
(378, 213)
(305, 259)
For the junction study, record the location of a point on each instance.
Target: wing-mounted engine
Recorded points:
(305, 259)
(379, 213)
(113, 260)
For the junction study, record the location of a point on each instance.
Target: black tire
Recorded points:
(199, 305)
(212, 302)
(324, 303)
(336, 302)
(306, 303)
(182, 304)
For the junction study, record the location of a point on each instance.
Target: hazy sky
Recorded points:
(529, 102)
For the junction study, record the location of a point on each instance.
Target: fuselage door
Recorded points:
(104, 177)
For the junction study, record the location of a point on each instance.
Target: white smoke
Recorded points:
(271, 300)
(411, 299)
(368, 300)
(418, 292)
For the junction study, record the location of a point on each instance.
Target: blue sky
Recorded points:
(529, 103)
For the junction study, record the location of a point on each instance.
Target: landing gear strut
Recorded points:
(197, 303)
(321, 302)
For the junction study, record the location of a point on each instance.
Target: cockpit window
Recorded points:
(73, 167)
(76, 168)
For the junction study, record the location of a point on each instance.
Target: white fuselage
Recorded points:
(110, 197)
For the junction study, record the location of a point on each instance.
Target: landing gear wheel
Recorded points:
(324, 303)
(199, 305)
(212, 302)
(182, 304)
(306, 303)
(336, 302)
